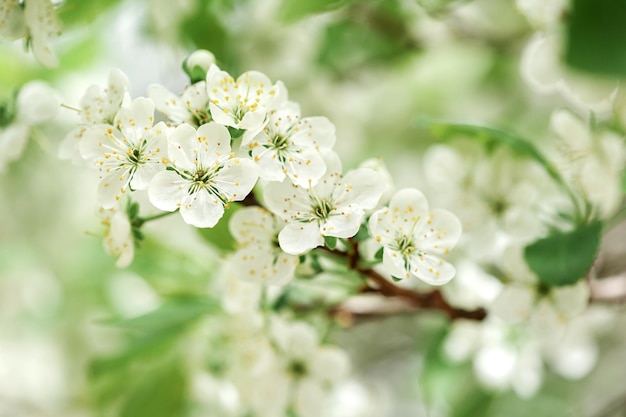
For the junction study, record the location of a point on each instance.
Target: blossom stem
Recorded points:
(67, 106)
(143, 220)
(432, 300)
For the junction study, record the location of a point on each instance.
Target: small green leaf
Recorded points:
(379, 254)
(564, 258)
(396, 279)
(330, 242)
(362, 234)
(219, 235)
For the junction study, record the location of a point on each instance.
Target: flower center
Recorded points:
(404, 245)
(297, 368)
(322, 209)
(135, 156)
(280, 142)
(200, 179)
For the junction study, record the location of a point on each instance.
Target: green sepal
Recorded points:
(379, 254)
(219, 235)
(330, 242)
(235, 133)
(362, 234)
(195, 73)
(396, 279)
(564, 258)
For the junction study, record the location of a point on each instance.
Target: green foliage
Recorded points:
(368, 32)
(219, 235)
(564, 258)
(161, 393)
(293, 10)
(146, 377)
(596, 36)
(83, 12)
(330, 242)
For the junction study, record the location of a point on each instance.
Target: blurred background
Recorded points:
(379, 70)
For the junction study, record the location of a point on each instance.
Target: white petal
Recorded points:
(236, 179)
(213, 143)
(381, 228)
(296, 340)
(182, 143)
(13, 141)
(330, 364)
(169, 104)
(202, 209)
(572, 131)
(309, 399)
(571, 300)
(285, 199)
(306, 168)
(431, 269)
(252, 224)
(342, 225)
(514, 304)
(360, 188)
(112, 187)
(440, 233)
(222, 116)
(297, 237)
(37, 102)
(394, 264)
(136, 119)
(167, 191)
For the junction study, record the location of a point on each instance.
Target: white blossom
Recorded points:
(334, 207)
(593, 161)
(413, 237)
(118, 236)
(191, 107)
(128, 155)
(259, 258)
(290, 146)
(99, 105)
(35, 104)
(242, 103)
(203, 176)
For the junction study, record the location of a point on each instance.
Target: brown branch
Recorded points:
(432, 301)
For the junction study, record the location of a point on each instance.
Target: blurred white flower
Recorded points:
(203, 175)
(334, 207)
(593, 161)
(547, 309)
(35, 104)
(99, 105)
(259, 258)
(128, 155)
(542, 70)
(413, 237)
(118, 235)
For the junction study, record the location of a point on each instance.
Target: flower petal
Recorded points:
(167, 190)
(299, 237)
(202, 209)
(440, 233)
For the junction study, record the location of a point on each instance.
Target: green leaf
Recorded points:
(396, 279)
(362, 234)
(219, 235)
(83, 12)
(174, 313)
(293, 10)
(330, 242)
(564, 258)
(379, 254)
(161, 393)
(596, 36)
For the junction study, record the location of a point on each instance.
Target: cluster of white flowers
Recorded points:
(223, 134)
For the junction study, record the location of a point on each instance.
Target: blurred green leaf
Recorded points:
(292, 10)
(161, 393)
(173, 314)
(76, 12)
(564, 258)
(596, 35)
(347, 44)
(219, 235)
